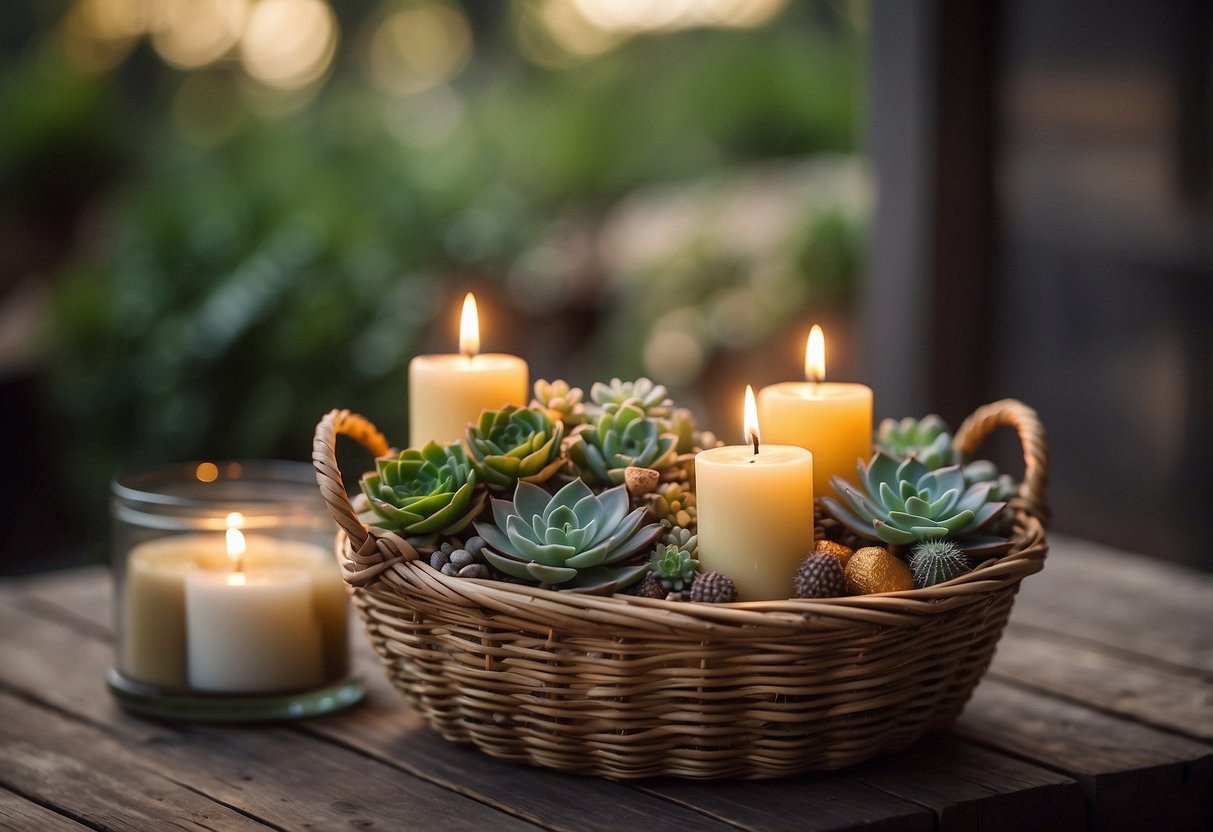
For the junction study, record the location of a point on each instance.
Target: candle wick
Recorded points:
(238, 563)
(754, 439)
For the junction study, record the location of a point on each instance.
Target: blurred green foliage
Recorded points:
(247, 271)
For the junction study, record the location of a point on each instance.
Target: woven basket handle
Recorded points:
(373, 549)
(1013, 413)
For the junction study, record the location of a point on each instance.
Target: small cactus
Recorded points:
(937, 561)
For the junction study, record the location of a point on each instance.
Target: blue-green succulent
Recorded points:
(675, 567)
(928, 439)
(905, 502)
(603, 451)
(643, 394)
(573, 539)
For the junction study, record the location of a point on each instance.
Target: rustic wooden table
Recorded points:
(1097, 713)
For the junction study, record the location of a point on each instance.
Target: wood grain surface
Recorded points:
(1097, 713)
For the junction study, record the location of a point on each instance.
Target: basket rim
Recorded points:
(374, 559)
(893, 609)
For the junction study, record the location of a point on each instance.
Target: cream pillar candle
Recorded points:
(833, 420)
(153, 605)
(330, 599)
(446, 392)
(755, 505)
(252, 632)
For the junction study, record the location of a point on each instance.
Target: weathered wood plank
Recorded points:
(83, 594)
(83, 773)
(974, 788)
(1125, 602)
(276, 774)
(1081, 671)
(1134, 777)
(384, 728)
(17, 813)
(612, 806)
(816, 802)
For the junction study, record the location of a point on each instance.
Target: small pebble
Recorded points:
(438, 559)
(474, 570)
(461, 557)
(446, 548)
(474, 545)
(449, 569)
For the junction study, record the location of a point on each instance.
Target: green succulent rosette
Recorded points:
(574, 540)
(928, 439)
(423, 492)
(515, 444)
(675, 567)
(625, 438)
(643, 394)
(905, 502)
(559, 402)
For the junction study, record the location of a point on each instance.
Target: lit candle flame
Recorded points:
(235, 541)
(815, 356)
(469, 327)
(752, 434)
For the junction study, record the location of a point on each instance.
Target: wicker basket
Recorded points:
(626, 687)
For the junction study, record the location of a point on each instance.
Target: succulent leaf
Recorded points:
(623, 438)
(928, 439)
(432, 490)
(513, 444)
(674, 566)
(573, 539)
(559, 402)
(903, 502)
(649, 398)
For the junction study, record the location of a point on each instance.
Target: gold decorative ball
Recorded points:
(873, 569)
(835, 550)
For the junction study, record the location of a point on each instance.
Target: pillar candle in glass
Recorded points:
(251, 630)
(832, 420)
(199, 639)
(447, 392)
(755, 508)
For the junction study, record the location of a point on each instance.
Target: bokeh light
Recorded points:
(98, 34)
(585, 28)
(288, 44)
(418, 48)
(193, 33)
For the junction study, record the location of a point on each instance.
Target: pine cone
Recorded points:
(650, 587)
(714, 588)
(820, 576)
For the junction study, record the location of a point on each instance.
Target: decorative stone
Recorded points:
(640, 480)
(840, 553)
(873, 569)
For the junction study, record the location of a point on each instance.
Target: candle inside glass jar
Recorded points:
(251, 631)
